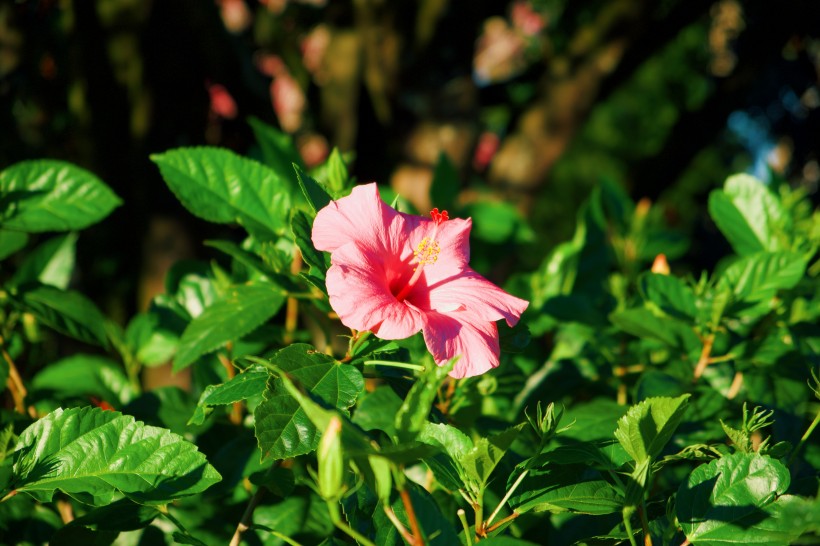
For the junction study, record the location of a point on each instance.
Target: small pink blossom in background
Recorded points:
(286, 94)
(313, 148)
(235, 15)
(222, 103)
(526, 19)
(396, 274)
(278, 6)
(499, 52)
(485, 150)
(314, 46)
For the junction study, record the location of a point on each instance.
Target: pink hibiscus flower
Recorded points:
(395, 274)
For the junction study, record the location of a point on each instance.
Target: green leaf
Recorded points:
(301, 226)
(445, 186)
(278, 150)
(51, 263)
(749, 215)
(739, 499)
(412, 414)
(96, 456)
(249, 383)
(669, 293)
(479, 463)
(648, 426)
(49, 195)
(283, 428)
(241, 311)
(219, 186)
(315, 194)
(11, 242)
(66, 311)
(644, 323)
(377, 410)
(565, 488)
(84, 375)
(336, 172)
(123, 515)
(758, 277)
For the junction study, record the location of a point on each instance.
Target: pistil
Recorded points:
(426, 253)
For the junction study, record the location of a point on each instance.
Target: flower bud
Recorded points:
(660, 265)
(331, 462)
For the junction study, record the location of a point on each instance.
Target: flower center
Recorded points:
(426, 253)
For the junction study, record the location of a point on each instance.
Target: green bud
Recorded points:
(331, 462)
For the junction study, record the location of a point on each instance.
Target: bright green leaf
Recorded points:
(96, 456)
(315, 194)
(648, 426)
(738, 499)
(748, 214)
(51, 263)
(242, 310)
(759, 276)
(283, 428)
(49, 195)
(251, 382)
(219, 186)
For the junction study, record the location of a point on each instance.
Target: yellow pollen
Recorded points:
(426, 252)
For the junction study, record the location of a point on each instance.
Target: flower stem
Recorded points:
(247, 517)
(506, 497)
(805, 437)
(404, 365)
(628, 527)
(462, 516)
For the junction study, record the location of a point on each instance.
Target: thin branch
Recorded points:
(405, 534)
(247, 517)
(506, 497)
(502, 521)
(292, 309)
(411, 516)
(705, 356)
(462, 517)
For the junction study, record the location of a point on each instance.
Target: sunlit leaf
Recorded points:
(97, 456)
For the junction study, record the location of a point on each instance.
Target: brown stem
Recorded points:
(444, 405)
(66, 511)
(647, 538)
(734, 388)
(236, 408)
(405, 534)
(15, 384)
(418, 538)
(502, 521)
(247, 517)
(705, 354)
(292, 309)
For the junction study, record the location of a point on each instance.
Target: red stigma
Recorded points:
(439, 217)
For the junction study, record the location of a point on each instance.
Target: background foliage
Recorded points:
(174, 372)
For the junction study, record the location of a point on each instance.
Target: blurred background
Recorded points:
(533, 103)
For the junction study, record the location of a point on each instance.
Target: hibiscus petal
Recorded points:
(453, 238)
(361, 217)
(477, 342)
(476, 297)
(357, 283)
